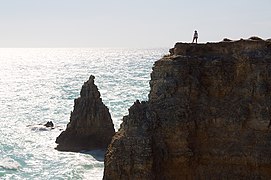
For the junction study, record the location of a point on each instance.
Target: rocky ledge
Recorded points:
(208, 117)
(90, 125)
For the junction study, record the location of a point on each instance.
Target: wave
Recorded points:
(9, 164)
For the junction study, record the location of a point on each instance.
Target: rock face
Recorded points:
(208, 117)
(90, 125)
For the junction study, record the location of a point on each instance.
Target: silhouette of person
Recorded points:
(195, 37)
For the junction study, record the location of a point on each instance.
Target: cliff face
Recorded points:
(208, 117)
(90, 125)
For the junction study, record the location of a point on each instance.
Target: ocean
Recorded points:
(40, 84)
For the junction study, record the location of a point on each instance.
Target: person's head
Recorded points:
(195, 31)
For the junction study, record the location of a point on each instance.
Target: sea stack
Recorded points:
(90, 125)
(208, 116)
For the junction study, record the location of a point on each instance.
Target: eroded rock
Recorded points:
(208, 117)
(90, 125)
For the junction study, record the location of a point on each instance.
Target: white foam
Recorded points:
(10, 164)
(40, 128)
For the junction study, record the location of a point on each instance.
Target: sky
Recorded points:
(129, 23)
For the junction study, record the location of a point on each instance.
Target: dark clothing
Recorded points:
(195, 37)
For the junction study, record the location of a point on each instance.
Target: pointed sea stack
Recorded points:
(90, 125)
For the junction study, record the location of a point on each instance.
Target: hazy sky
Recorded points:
(129, 23)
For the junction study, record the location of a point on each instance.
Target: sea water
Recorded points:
(40, 85)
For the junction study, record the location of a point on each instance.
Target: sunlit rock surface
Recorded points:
(208, 116)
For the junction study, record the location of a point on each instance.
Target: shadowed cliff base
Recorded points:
(90, 125)
(207, 117)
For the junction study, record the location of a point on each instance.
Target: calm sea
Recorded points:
(40, 85)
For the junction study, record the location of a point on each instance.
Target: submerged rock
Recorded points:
(90, 125)
(208, 117)
(49, 125)
(40, 128)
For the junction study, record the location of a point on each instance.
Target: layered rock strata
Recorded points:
(208, 117)
(90, 125)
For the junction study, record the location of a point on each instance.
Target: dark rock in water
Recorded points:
(42, 127)
(208, 117)
(90, 125)
(49, 124)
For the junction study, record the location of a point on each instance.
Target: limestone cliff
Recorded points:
(90, 125)
(208, 117)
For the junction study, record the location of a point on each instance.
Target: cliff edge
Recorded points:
(90, 125)
(208, 117)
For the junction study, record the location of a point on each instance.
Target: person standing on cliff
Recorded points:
(195, 37)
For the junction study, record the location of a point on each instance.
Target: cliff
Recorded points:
(90, 125)
(208, 117)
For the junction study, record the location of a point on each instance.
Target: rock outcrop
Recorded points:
(208, 117)
(90, 125)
